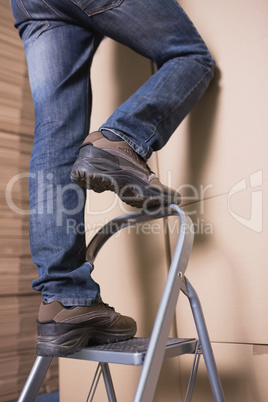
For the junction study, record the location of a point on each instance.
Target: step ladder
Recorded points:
(146, 352)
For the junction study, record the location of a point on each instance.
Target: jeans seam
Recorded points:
(99, 10)
(87, 117)
(24, 9)
(73, 299)
(43, 28)
(49, 8)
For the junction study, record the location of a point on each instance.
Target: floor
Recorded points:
(51, 397)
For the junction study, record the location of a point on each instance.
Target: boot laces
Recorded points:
(106, 305)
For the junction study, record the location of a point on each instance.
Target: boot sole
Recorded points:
(130, 188)
(75, 339)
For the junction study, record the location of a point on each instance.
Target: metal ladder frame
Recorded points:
(175, 282)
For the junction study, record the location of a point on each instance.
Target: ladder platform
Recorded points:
(133, 351)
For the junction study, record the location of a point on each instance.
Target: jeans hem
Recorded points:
(145, 154)
(74, 302)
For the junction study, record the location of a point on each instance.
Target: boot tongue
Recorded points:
(110, 135)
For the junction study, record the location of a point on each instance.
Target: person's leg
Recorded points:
(59, 57)
(162, 32)
(59, 62)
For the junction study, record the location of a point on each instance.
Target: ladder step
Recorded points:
(133, 351)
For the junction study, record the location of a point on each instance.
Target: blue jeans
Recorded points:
(60, 39)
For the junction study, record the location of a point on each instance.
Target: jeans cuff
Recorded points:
(144, 153)
(75, 302)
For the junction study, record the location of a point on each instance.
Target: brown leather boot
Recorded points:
(113, 165)
(64, 330)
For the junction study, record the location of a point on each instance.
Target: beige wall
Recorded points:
(218, 159)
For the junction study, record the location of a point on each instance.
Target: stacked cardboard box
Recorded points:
(18, 303)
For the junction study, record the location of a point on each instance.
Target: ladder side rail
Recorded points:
(204, 342)
(156, 349)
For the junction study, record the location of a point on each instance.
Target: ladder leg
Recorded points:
(108, 382)
(35, 379)
(94, 384)
(205, 343)
(191, 383)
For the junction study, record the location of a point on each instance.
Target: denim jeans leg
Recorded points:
(161, 31)
(59, 57)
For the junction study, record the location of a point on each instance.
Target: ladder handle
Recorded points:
(123, 221)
